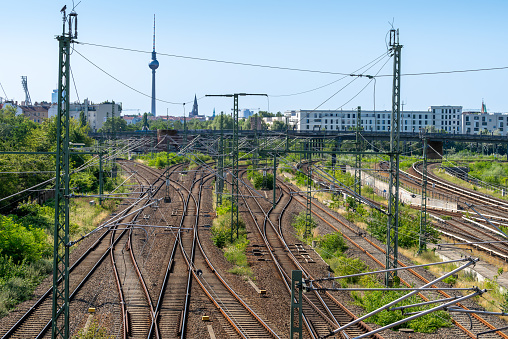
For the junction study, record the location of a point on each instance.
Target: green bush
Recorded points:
(299, 223)
(409, 227)
(18, 281)
(371, 301)
(22, 243)
(331, 245)
(346, 266)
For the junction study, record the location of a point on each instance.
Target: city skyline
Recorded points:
(322, 36)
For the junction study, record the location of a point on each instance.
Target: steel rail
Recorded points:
(219, 277)
(466, 331)
(295, 262)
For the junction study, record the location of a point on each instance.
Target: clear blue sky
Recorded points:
(334, 36)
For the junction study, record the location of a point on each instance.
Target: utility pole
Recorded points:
(60, 306)
(255, 154)
(392, 230)
(167, 198)
(101, 178)
(234, 177)
(184, 128)
(423, 208)
(308, 210)
(274, 178)
(220, 163)
(358, 157)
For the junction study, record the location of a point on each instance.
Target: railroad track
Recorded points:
(376, 256)
(240, 319)
(36, 321)
(321, 312)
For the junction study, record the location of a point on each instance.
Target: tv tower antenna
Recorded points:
(24, 82)
(154, 64)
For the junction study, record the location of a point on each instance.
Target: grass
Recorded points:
(235, 251)
(443, 175)
(491, 301)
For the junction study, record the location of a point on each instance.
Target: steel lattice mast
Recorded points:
(60, 308)
(358, 156)
(423, 209)
(234, 155)
(392, 229)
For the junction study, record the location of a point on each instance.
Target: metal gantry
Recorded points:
(234, 176)
(358, 156)
(234, 157)
(392, 229)
(308, 210)
(422, 244)
(219, 181)
(60, 307)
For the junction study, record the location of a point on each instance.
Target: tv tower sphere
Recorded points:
(154, 64)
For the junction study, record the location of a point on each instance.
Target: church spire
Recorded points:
(194, 112)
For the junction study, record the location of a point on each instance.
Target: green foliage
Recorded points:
(299, 223)
(278, 126)
(18, 133)
(116, 124)
(260, 182)
(450, 280)
(331, 245)
(489, 171)
(409, 227)
(95, 331)
(235, 252)
(17, 281)
(30, 213)
(346, 266)
(22, 243)
(371, 301)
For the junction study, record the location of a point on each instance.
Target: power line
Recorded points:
(130, 87)
(290, 68)
(217, 60)
(375, 61)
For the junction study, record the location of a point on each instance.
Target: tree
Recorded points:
(82, 118)
(266, 114)
(119, 125)
(227, 123)
(278, 126)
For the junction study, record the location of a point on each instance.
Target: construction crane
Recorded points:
(24, 82)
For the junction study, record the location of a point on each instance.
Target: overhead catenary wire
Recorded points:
(128, 86)
(483, 69)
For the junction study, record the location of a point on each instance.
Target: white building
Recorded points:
(96, 114)
(483, 122)
(445, 118)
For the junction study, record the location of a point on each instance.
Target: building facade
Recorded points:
(449, 119)
(37, 112)
(96, 114)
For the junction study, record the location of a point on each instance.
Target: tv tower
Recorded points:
(154, 64)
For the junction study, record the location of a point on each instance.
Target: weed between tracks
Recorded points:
(226, 238)
(332, 246)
